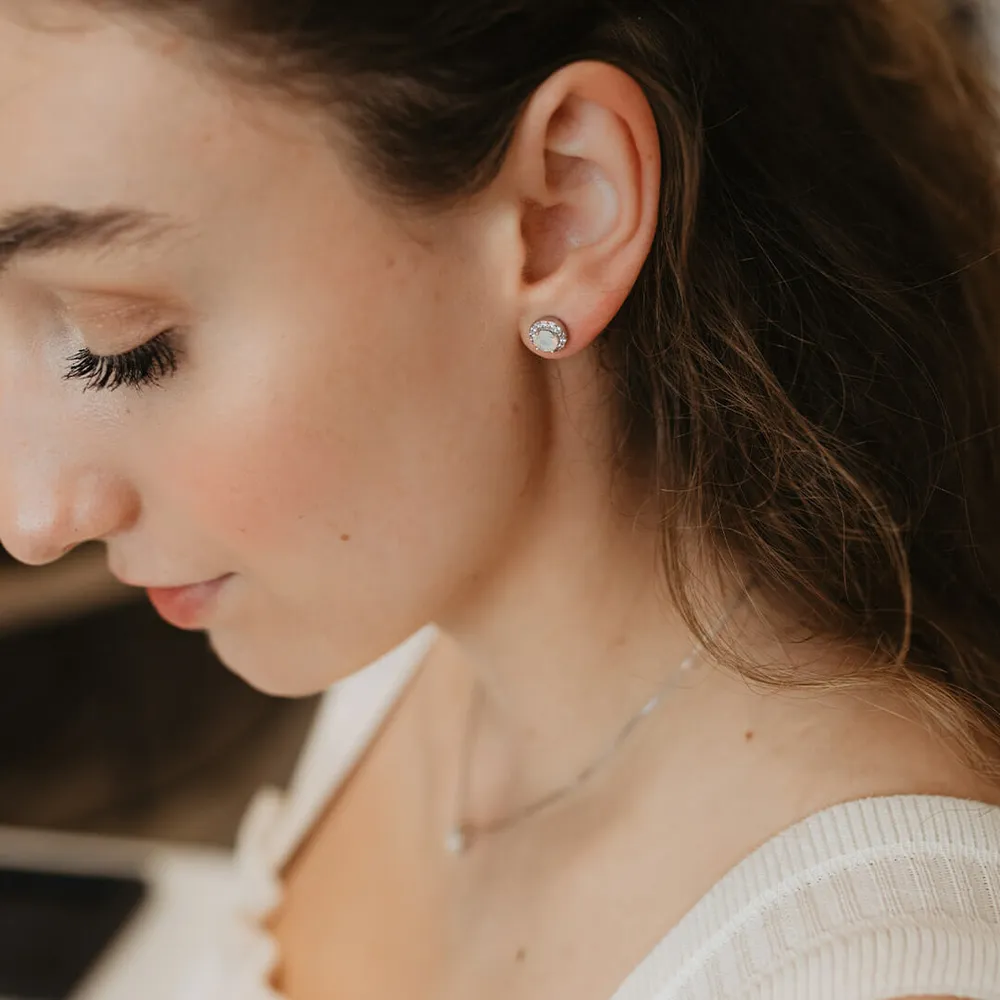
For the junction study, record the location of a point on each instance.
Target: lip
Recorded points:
(187, 607)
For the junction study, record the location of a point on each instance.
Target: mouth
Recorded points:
(187, 607)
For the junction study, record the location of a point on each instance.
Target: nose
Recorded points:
(51, 507)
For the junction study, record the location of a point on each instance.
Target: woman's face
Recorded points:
(345, 431)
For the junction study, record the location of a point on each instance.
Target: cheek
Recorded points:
(285, 484)
(247, 485)
(359, 460)
(263, 465)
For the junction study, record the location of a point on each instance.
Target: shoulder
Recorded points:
(861, 888)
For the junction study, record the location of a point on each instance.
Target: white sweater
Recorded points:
(869, 900)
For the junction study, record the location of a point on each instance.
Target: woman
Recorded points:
(649, 349)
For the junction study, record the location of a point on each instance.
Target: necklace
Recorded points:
(461, 834)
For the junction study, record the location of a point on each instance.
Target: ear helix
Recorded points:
(547, 337)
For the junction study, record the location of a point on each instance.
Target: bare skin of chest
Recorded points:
(375, 909)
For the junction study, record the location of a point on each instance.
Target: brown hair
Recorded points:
(807, 368)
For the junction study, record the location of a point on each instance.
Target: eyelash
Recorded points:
(147, 365)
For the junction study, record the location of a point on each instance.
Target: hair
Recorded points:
(807, 367)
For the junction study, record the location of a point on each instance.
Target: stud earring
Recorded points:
(548, 336)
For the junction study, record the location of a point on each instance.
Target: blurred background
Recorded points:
(112, 721)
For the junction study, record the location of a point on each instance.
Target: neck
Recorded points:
(567, 639)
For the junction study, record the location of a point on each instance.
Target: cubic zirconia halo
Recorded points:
(548, 336)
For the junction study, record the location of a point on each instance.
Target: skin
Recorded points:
(359, 434)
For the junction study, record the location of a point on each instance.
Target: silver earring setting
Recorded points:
(548, 336)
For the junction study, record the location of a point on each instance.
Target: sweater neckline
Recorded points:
(874, 831)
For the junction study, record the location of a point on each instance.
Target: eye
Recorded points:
(147, 365)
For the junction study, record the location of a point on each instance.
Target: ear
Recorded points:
(584, 167)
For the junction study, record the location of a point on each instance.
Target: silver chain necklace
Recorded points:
(460, 836)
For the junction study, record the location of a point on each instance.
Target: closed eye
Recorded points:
(144, 366)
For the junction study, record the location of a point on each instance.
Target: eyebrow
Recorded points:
(44, 229)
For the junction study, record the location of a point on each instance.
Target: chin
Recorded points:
(279, 669)
(297, 663)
